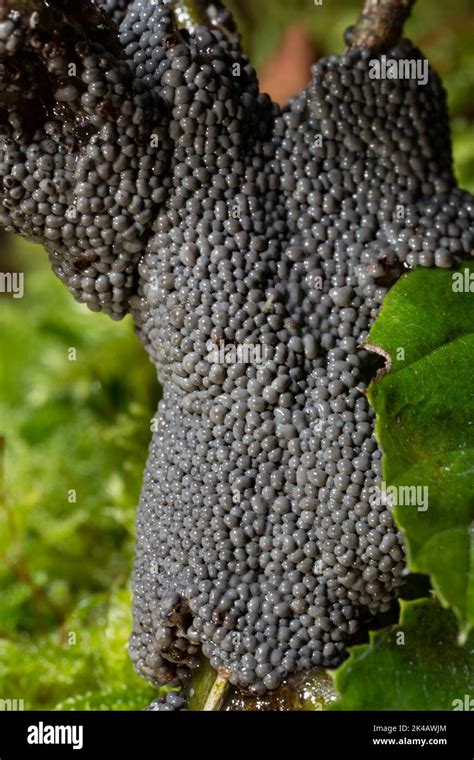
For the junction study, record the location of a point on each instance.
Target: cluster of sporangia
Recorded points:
(254, 246)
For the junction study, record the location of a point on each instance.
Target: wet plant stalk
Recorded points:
(217, 694)
(380, 24)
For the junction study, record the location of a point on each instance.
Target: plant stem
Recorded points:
(216, 696)
(380, 24)
(188, 13)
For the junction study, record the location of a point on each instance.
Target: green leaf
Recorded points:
(425, 425)
(416, 665)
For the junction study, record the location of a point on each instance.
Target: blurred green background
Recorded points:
(75, 433)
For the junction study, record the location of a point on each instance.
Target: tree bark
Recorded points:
(380, 24)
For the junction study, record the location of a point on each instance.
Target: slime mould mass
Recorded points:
(163, 183)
